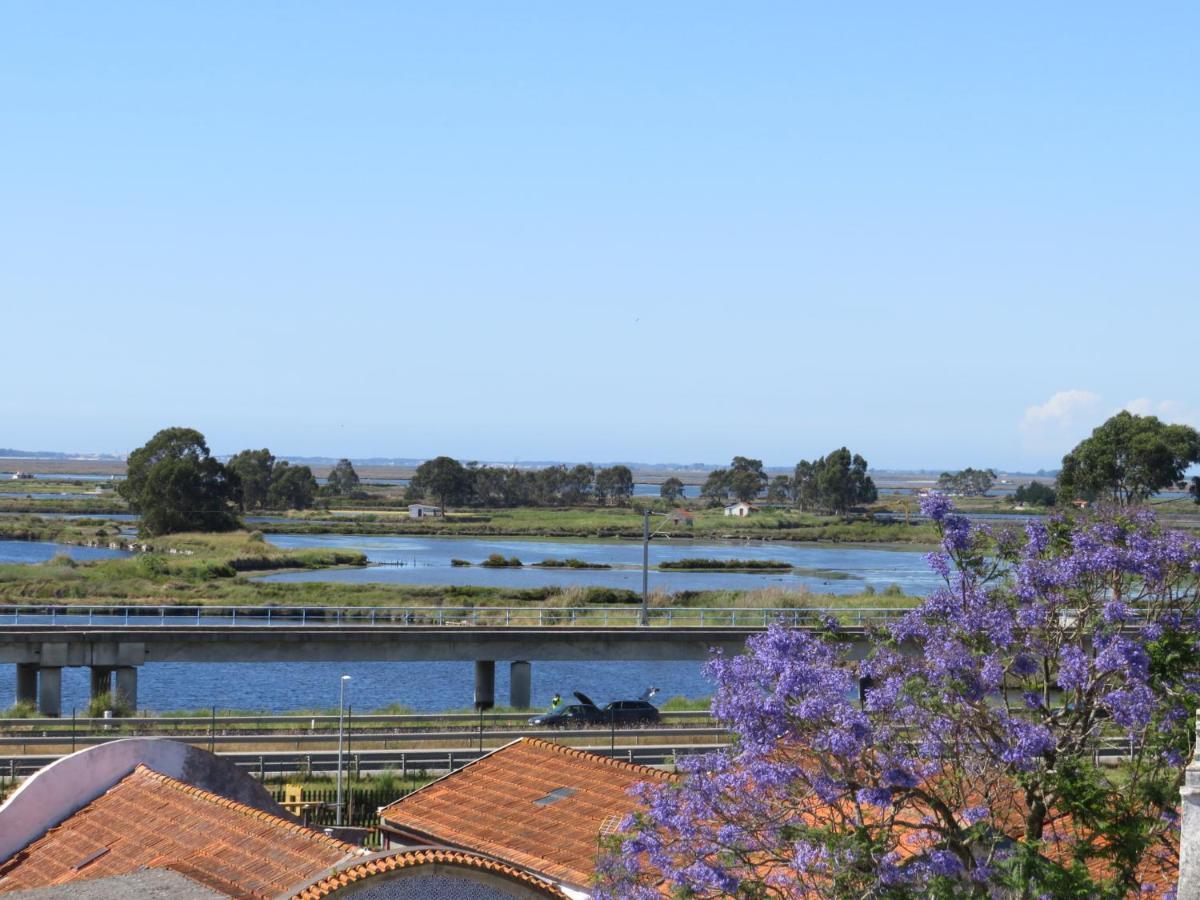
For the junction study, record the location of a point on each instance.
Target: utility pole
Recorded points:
(646, 566)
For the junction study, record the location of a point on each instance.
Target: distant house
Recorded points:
(532, 804)
(682, 518)
(741, 509)
(422, 510)
(22, 476)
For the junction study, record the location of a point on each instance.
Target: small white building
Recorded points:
(422, 510)
(22, 476)
(741, 509)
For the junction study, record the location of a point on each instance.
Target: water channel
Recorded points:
(821, 568)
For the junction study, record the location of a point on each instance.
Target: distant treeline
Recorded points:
(451, 483)
(833, 484)
(259, 481)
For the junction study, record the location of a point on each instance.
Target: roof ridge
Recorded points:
(238, 806)
(650, 771)
(422, 856)
(607, 760)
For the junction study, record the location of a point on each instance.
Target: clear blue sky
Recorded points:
(944, 234)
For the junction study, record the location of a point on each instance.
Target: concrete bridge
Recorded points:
(115, 643)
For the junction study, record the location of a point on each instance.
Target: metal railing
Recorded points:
(438, 616)
(377, 739)
(400, 762)
(294, 723)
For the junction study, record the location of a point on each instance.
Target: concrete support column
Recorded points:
(101, 681)
(485, 683)
(520, 680)
(27, 682)
(127, 686)
(50, 691)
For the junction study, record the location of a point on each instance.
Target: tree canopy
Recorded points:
(264, 481)
(444, 478)
(1035, 494)
(671, 490)
(614, 485)
(716, 487)
(253, 469)
(342, 478)
(1127, 459)
(835, 483)
(292, 487)
(746, 478)
(175, 485)
(967, 482)
(970, 768)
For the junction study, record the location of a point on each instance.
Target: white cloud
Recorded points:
(1065, 408)
(1050, 429)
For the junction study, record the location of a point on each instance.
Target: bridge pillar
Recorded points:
(27, 682)
(485, 683)
(50, 691)
(101, 681)
(519, 683)
(127, 686)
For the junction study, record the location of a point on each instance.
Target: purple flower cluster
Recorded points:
(1037, 644)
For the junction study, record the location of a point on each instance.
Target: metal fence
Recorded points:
(438, 616)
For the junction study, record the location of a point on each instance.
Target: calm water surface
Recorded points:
(426, 560)
(423, 686)
(40, 551)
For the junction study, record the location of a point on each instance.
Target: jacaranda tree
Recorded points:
(980, 763)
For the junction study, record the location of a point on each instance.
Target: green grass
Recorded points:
(193, 567)
(620, 522)
(570, 563)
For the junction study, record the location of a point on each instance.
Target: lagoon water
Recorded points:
(824, 568)
(425, 686)
(280, 687)
(40, 551)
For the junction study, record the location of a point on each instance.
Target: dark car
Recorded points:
(586, 712)
(631, 712)
(574, 716)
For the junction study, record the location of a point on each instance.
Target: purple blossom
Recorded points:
(1078, 601)
(875, 796)
(974, 814)
(936, 506)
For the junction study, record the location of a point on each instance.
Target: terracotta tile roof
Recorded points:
(148, 820)
(415, 858)
(533, 803)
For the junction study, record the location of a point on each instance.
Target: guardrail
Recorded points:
(402, 762)
(150, 725)
(617, 736)
(426, 616)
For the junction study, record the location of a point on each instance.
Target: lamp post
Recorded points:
(341, 741)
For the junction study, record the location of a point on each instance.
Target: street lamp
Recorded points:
(341, 741)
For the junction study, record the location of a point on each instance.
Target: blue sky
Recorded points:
(941, 233)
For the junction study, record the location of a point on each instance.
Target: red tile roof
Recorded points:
(417, 858)
(148, 820)
(533, 803)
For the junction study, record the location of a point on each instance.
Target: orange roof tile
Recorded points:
(148, 820)
(416, 858)
(491, 806)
